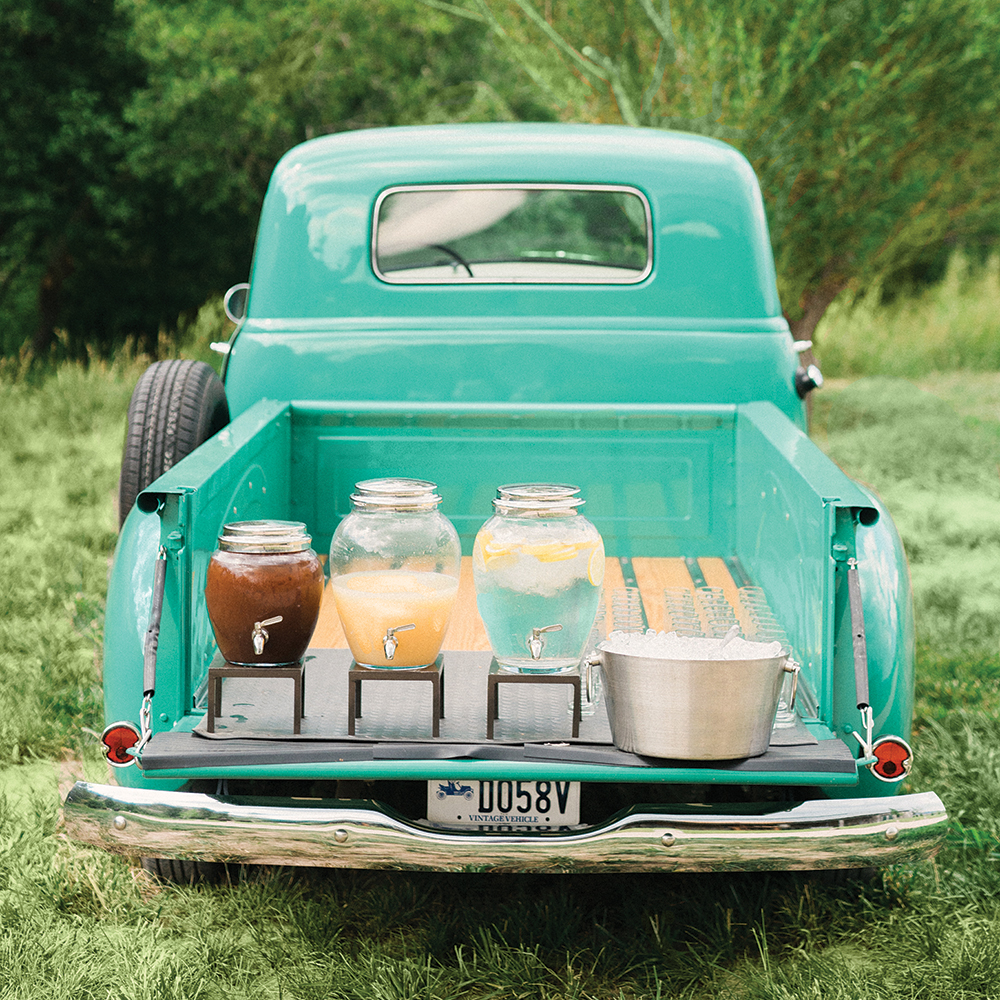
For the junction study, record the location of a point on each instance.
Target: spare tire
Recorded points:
(176, 406)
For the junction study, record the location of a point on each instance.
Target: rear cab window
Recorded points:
(512, 233)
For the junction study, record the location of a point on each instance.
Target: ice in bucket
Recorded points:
(671, 646)
(691, 698)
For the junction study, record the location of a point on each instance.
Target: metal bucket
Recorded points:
(692, 709)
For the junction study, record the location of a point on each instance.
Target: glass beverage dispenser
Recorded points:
(263, 592)
(538, 565)
(394, 569)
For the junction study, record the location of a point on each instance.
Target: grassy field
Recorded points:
(78, 923)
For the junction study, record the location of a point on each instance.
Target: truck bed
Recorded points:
(534, 724)
(694, 503)
(670, 395)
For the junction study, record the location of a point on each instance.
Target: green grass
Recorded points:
(936, 464)
(62, 428)
(61, 435)
(932, 452)
(81, 923)
(76, 922)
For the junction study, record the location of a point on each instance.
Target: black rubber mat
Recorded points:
(254, 727)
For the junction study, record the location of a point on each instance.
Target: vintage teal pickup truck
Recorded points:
(473, 306)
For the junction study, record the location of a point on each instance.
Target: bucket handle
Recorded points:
(591, 682)
(791, 667)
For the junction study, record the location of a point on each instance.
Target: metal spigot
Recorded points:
(389, 640)
(535, 641)
(259, 634)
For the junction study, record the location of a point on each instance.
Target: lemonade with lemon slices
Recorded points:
(371, 603)
(394, 567)
(537, 565)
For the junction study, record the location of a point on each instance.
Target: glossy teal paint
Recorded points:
(711, 251)
(889, 636)
(659, 480)
(596, 361)
(130, 590)
(671, 402)
(796, 534)
(241, 474)
(652, 475)
(704, 326)
(791, 498)
(413, 770)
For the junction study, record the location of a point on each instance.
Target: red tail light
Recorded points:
(894, 758)
(118, 739)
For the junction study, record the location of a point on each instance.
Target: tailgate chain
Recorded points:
(889, 757)
(860, 655)
(149, 652)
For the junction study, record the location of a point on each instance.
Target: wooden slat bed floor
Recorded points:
(653, 576)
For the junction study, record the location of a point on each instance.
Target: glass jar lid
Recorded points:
(263, 537)
(538, 499)
(263, 527)
(540, 491)
(395, 493)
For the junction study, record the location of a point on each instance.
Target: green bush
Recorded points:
(951, 326)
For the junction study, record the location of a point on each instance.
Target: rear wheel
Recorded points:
(176, 406)
(195, 872)
(847, 877)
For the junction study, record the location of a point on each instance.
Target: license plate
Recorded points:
(504, 805)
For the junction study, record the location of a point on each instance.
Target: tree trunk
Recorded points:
(50, 300)
(814, 303)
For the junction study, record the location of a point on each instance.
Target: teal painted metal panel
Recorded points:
(799, 520)
(411, 770)
(600, 360)
(711, 252)
(888, 609)
(658, 481)
(130, 593)
(670, 401)
(242, 473)
(797, 456)
(889, 638)
(705, 326)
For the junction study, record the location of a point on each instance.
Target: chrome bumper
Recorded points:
(844, 833)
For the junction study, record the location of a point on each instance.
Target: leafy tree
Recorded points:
(232, 87)
(173, 155)
(873, 124)
(65, 75)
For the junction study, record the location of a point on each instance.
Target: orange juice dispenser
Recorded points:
(394, 570)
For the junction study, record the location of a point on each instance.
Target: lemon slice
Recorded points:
(478, 556)
(547, 552)
(489, 555)
(595, 568)
(497, 556)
